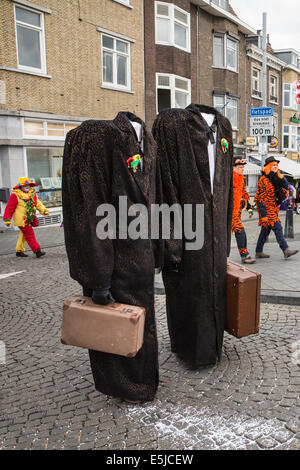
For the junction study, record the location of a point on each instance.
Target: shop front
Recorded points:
(44, 167)
(32, 145)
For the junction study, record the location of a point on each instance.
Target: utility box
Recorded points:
(4, 194)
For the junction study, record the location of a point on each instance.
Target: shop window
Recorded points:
(228, 107)
(172, 25)
(172, 92)
(44, 166)
(30, 36)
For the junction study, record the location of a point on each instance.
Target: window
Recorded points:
(30, 38)
(115, 63)
(290, 138)
(221, 3)
(44, 166)
(172, 26)
(172, 91)
(225, 52)
(47, 129)
(228, 107)
(273, 88)
(256, 82)
(289, 96)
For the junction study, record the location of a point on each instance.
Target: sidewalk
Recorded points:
(280, 277)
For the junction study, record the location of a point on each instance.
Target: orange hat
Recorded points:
(24, 181)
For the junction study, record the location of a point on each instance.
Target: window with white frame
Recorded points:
(289, 96)
(172, 91)
(290, 138)
(30, 37)
(273, 88)
(256, 82)
(228, 106)
(172, 26)
(35, 129)
(221, 3)
(225, 52)
(115, 63)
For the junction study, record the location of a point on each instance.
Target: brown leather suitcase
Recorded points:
(114, 328)
(243, 300)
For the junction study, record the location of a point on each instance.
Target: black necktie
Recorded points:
(210, 131)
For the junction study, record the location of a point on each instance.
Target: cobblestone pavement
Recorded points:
(250, 400)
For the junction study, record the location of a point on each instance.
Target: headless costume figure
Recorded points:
(196, 169)
(122, 267)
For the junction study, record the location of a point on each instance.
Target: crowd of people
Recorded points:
(272, 190)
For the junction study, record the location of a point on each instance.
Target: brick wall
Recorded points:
(73, 54)
(254, 103)
(167, 59)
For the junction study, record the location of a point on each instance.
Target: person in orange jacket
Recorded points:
(240, 200)
(271, 191)
(21, 208)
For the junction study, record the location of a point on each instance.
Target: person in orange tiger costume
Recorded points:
(271, 191)
(240, 200)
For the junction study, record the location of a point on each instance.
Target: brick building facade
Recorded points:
(209, 68)
(63, 62)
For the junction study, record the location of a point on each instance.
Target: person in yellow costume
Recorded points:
(21, 208)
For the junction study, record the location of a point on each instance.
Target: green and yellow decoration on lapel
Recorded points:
(224, 145)
(134, 162)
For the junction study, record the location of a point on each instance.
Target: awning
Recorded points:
(252, 169)
(286, 166)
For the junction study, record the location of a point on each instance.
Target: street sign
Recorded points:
(263, 148)
(251, 141)
(261, 126)
(261, 131)
(263, 111)
(274, 142)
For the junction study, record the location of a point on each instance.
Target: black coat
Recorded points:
(196, 294)
(95, 172)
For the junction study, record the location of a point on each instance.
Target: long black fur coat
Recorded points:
(95, 172)
(195, 281)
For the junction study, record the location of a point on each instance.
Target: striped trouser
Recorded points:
(241, 239)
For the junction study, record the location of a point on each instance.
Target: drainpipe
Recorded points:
(198, 59)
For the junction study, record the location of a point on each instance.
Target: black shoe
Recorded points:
(39, 253)
(21, 254)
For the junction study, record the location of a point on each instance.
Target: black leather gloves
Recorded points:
(102, 296)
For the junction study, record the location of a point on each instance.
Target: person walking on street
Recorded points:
(22, 206)
(240, 200)
(271, 191)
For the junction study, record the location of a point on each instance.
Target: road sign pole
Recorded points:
(264, 139)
